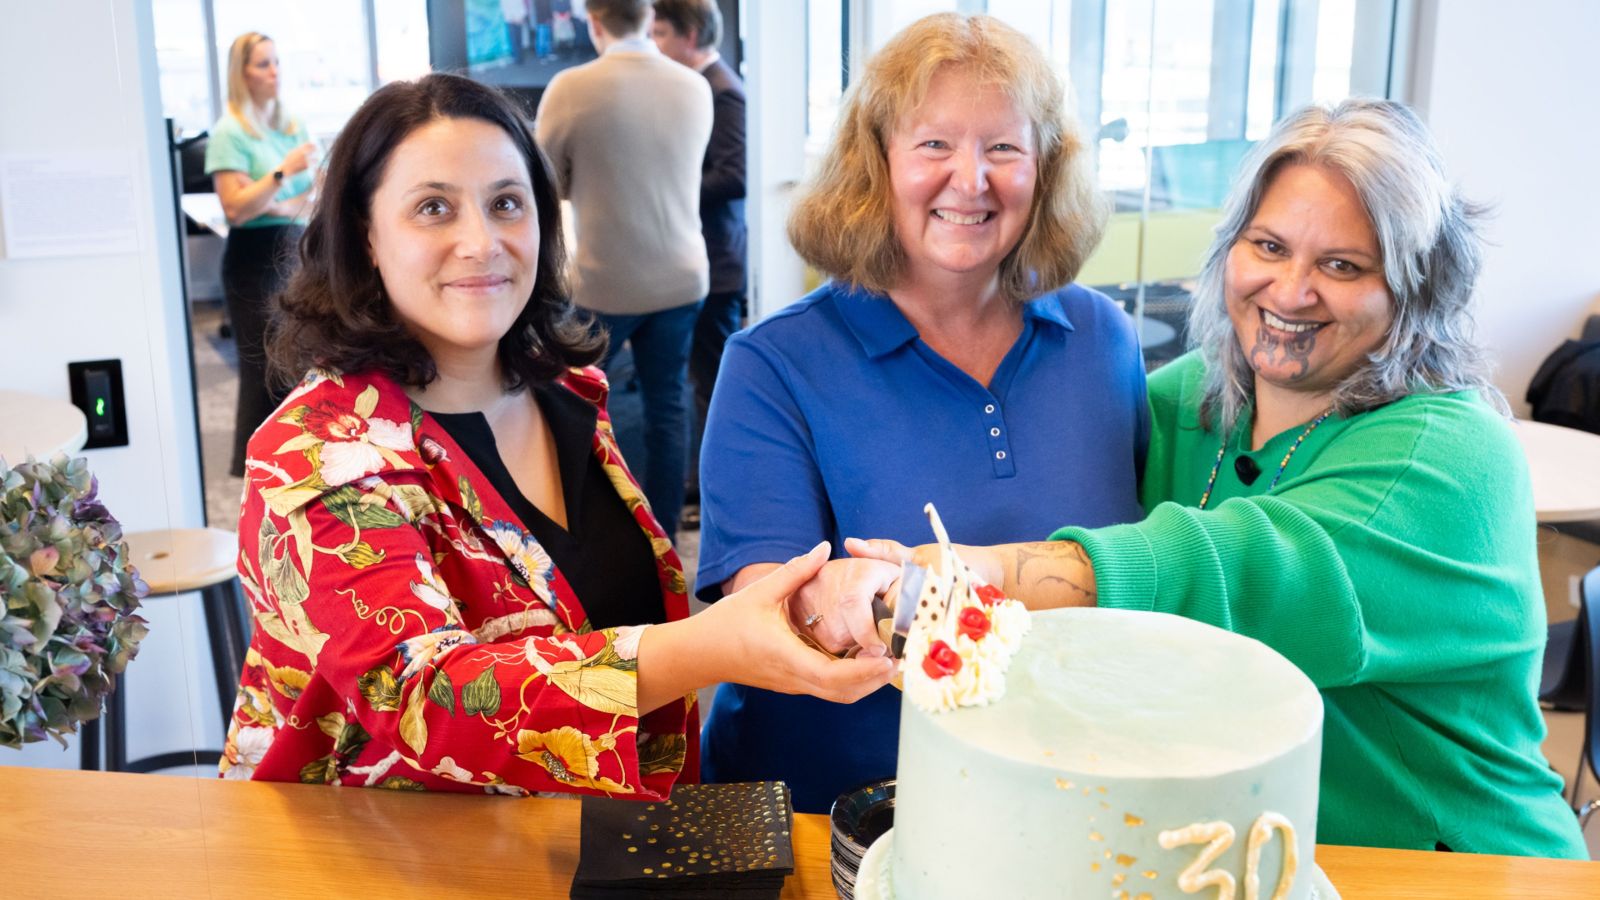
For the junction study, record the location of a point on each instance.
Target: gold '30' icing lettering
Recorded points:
(1218, 837)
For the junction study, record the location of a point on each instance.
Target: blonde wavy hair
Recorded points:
(843, 221)
(240, 104)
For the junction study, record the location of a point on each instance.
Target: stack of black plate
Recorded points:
(858, 818)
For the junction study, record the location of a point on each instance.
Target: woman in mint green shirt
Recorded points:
(260, 162)
(1330, 472)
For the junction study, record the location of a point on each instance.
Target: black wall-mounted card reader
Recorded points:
(97, 390)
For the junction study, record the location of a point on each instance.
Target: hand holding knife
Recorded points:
(894, 620)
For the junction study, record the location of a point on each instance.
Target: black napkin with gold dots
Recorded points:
(707, 840)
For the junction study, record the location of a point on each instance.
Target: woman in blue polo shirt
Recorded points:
(943, 362)
(260, 162)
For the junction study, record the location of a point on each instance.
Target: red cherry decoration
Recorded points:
(973, 623)
(942, 660)
(988, 594)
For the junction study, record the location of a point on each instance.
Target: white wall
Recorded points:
(1512, 93)
(79, 76)
(775, 50)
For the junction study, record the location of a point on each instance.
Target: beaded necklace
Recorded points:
(1223, 451)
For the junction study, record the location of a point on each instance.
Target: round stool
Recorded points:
(171, 562)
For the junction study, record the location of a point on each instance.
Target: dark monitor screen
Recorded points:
(515, 44)
(521, 44)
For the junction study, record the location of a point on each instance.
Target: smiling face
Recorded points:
(962, 167)
(455, 236)
(1304, 284)
(261, 73)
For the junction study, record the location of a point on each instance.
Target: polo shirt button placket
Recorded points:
(1003, 466)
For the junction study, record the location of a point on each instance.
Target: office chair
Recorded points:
(192, 179)
(1589, 624)
(1571, 682)
(1562, 687)
(1591, 328)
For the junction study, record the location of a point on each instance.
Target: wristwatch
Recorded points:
(277, 175)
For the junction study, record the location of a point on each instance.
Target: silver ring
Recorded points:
(813, 619)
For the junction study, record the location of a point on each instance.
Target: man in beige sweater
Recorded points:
(626, 135)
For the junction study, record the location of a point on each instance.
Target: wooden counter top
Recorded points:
(72, 834)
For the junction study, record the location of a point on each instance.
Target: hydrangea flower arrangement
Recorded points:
(68, 599)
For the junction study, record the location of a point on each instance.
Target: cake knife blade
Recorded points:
(912, 578)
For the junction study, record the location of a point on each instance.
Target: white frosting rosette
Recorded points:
(963, 636)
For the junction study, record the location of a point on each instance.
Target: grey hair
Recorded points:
(1427, 237)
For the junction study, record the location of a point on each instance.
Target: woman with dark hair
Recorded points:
(949, 359)
(451, 570)
(1331, 473)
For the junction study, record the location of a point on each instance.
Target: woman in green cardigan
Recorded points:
(1331, 473)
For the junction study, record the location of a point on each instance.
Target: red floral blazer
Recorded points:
(410, 633)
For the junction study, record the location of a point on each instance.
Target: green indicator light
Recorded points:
(100, 407)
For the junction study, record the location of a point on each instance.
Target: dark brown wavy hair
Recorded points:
(334, 313)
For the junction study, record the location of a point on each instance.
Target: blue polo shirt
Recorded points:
(833, 419)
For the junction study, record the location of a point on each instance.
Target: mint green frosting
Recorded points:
(1115, 726)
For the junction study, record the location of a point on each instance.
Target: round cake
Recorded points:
(1129, 755)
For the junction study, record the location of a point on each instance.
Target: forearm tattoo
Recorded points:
(1055, 573)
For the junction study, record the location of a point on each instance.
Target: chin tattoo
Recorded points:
(1271, 350)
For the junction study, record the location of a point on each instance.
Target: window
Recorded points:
(1336, 33)
(325, 69)
(1156, 79)
(1261, 106)
(401, 30)
(181, 56)
(885, 17)
(825, 70)
(331, 54)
